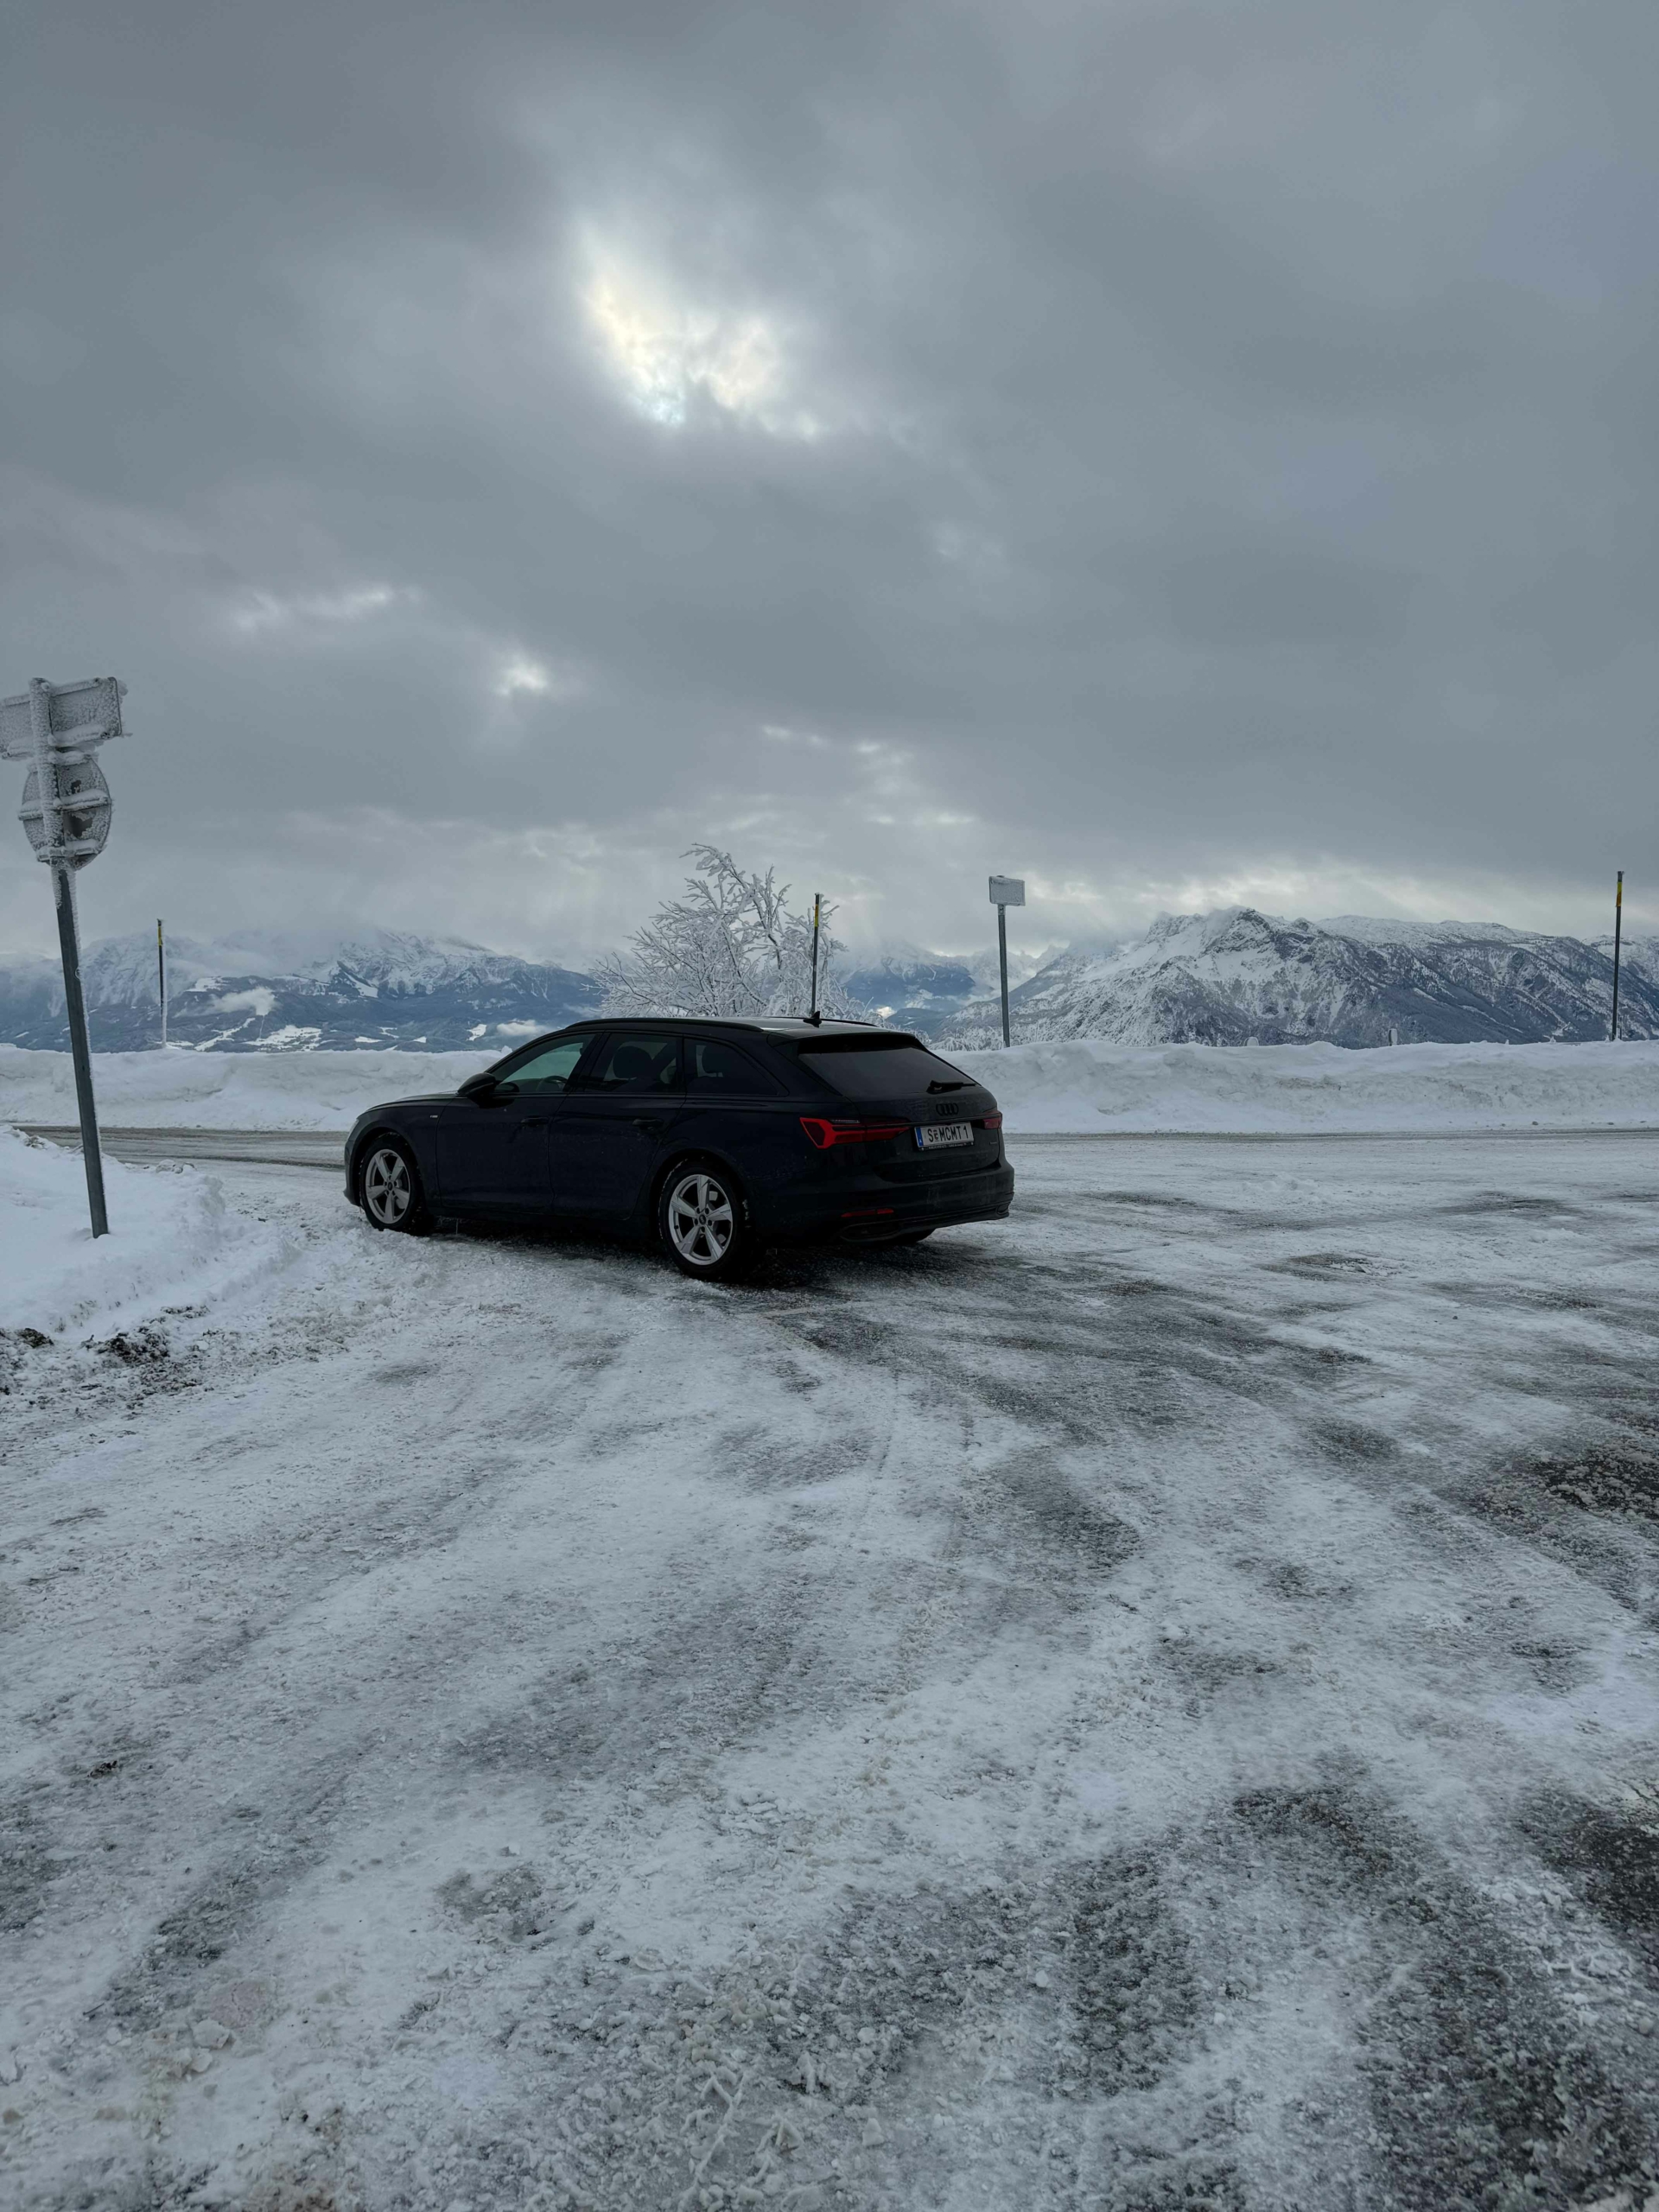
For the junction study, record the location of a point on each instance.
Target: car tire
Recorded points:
(702, 1221)
(389, 1188)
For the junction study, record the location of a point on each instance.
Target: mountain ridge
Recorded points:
(1236, 975)
(295, 991)
(1239, 977)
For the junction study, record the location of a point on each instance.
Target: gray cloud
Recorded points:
(1180, 452)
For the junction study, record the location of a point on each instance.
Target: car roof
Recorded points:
(799, 1026)
(765, 1025)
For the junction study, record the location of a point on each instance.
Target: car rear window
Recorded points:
(881, 1067)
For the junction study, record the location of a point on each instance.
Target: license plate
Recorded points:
(945, 1133)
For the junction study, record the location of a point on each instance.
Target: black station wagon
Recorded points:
(718, 1137)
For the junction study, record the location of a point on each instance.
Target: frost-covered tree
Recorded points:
(730, 946)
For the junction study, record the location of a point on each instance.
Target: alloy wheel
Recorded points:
(386, 1188)
(700, 1219)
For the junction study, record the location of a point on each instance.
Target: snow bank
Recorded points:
(172, 1240)
(181, 1089)
(1082, 1086)
(1077, 1085)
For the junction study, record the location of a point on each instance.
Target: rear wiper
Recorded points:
(949, 1086)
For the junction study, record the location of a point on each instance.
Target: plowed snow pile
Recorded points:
(180, 1089)
(1075, 1086)
(1081, 1085)
(173, 1241)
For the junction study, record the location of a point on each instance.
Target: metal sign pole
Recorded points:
(63, 892)
(1619, 925)
(1006, 891)
(1002, 961)
(160, 978)
(58, 728)
(63, 898)
(817, 918)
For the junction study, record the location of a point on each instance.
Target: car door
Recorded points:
(737, 1110)
(614, 1121)
(493, 1145)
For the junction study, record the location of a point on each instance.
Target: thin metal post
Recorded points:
(160, 978)
(1003, 956)
(1619, 924)
(817, 918)
(63, 898)
(63, 894)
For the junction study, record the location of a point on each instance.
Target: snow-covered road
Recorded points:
(1149, 1704)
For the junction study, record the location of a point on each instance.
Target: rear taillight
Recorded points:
(823, 1134)
(990, 1121)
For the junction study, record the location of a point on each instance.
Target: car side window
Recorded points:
(714, 1069)
(633, 1062)
(551, 1069)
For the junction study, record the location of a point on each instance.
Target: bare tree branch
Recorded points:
(730, 946)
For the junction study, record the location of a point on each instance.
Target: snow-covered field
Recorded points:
(1149, 1704)
(1073, 1087)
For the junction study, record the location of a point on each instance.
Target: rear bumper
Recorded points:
(871, 1211)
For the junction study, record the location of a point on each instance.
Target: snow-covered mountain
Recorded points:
(1639, 956)
(929, 990)
(904, 979)
(293, 991)
(1238, 977)
(1232, 977)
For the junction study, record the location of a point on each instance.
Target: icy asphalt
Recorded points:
(1149, 1704)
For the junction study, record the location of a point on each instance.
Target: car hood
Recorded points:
(420, 1098)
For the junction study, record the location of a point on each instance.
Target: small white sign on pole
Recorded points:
(1007, 891)
(77, 714)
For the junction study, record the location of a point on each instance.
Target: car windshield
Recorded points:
(547, 1069)
(881, 1067)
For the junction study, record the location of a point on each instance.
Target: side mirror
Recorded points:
(487, 1090)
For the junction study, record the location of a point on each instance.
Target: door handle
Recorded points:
(649, 1121)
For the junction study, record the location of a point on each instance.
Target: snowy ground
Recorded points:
(178, 1241)
(1151, 1703)
(1080, 1087)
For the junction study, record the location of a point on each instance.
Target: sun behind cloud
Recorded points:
(519, 674)
(668, 352)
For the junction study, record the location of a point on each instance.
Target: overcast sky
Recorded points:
(1182, 451)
